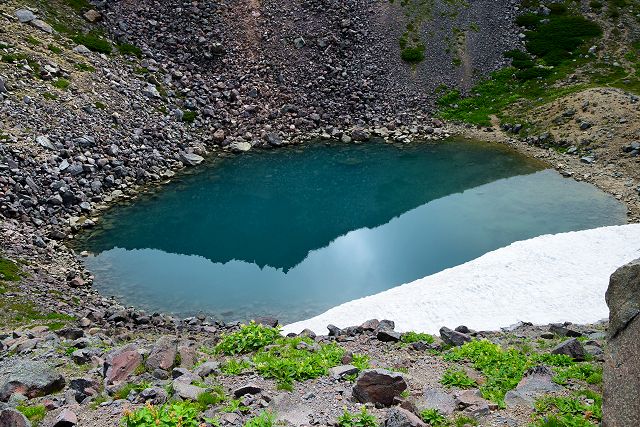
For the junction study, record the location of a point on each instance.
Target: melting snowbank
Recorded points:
(551, 278)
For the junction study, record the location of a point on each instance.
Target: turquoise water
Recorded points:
(295, 231)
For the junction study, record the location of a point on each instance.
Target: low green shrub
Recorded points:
(411, 337)
(288, 360)
(129, 49)
(213, 396)
(456, 378)
(128, 388)
(234, 367)
(413, 54)
(94, 41)
(176, 414)
(503, 368)
(358, 419)
(61, 84)
(189, 116)
(9, 270)
(582, 371)
(360, 361)
(584, 409)
(35, 413)
(434, 418)
(264, 419)
(249, 338)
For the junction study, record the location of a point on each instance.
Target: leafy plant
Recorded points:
(264, 419)
(129, 49)
(582, 371)
(249, 338)
(177, 414)
(234, 367)
(61, 84)
(128, 388)
(34, 413)
(359, 419)
(503, 368)
(434, 418)
(411, 337)
(189, 116)
(214, 396)
(94, 41)
(584, 409)
(456, 378)
(234, 405)
(360, 361)
(287, 361)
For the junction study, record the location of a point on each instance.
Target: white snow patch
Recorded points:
(551, 278)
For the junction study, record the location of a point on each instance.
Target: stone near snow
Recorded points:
(388, 336)
(452, 337)
(378, 386)
(572, 348)
(399, 417)
(621, 375)
(29, 378)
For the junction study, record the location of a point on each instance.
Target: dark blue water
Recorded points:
(294, 232)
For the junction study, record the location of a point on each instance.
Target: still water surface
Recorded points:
(296, 231)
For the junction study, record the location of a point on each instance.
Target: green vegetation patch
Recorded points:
(9, 270)
(457, 378)
(189, 116)
(583, 409)
(177, 414)
(503, 368)
(249, 338)
(94, 41)
(129, 49)
(264, 419)
(358, 419)
(411, 337)
(296, 359)
(62, 84)
(35, 413)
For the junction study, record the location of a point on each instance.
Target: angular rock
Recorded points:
(339, 372)
(269, 321)
(25, 15)
(398, 417)
(207, 369)
(440, 400)
(452, 337)
(66, 418)
(191, 159)
(621, 376)
(10, 417)
(370, 325)
(163, 354)
(29, 378)
(121, 364)
(187, 391)
(240, 146)
(536, 382)
(378, 386)
(388, 336)
(249, 388)
(572, 348)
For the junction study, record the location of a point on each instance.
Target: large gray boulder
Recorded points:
(621, 407)
(379, 386)
(536, 382)
(29, 378)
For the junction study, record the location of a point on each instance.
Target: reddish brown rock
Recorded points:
(121, 364)
(378, 386)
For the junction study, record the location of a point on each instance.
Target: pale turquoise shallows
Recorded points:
(295, 231)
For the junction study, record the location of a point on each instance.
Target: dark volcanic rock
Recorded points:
(378, 386)
(621, 375)
(452, 337)
(399, 417)
(572, 348)
(9, 417)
